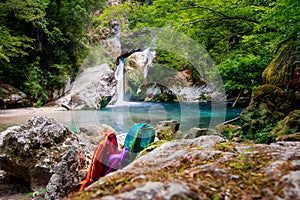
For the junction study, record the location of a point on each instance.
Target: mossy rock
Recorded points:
(228, 130)
(268, 105)
(284, 70)
(151, 147)
(289, 125)
(167, 130)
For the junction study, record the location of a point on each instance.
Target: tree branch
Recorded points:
(224, 16)
(204, 7)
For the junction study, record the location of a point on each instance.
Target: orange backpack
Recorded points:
(99, 165)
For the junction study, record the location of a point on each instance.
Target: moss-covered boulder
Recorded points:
(284, 70)
(167, 130)
(277, 98)
(289, 125)
(207, 167)
(268, 105)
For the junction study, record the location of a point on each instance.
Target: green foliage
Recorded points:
(240, 36)
(31, 194)
(242, 72)
(261, 136)
(42, 43)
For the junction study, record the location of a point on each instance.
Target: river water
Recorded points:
(121, 118)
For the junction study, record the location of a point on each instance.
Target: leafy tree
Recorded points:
(43, 42)
(240, 36)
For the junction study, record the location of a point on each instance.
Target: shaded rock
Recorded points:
(167, 130)
(268, 105)
(197, 132)
(91, 89)
(11, 97)
(159, 93)
(66, 177)
(292, 180)
(277, 98)
(228, 130)
(10, 185)
(113, 45)
(291, 137)
(289, 125)
(32, 151)
(284, 69)
(94, 133)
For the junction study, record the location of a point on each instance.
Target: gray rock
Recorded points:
(66, 178)
(157, 190)
(197, 132)
(206, 167)
(90, 87)
(11, 97)
(292, 185)
(32, 151)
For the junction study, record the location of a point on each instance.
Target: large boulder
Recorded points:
(90, 89)
(32, 151)
(11, 97)
(284, 71)
(268, 105)
(277, 98)
(66, 177)
(207, 167)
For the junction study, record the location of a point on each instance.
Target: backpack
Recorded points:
(99, 166)
(138, 137)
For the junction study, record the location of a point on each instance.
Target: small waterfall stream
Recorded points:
(119, 74)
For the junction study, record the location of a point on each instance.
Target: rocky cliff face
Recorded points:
(93, 86)
(147, 81)
(284, 71)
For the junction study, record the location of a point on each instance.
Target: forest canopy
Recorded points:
(43, 42)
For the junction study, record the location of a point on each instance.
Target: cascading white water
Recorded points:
(119, 74)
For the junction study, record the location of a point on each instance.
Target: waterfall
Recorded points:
(119, 74)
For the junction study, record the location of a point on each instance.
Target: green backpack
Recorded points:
(138, 137)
